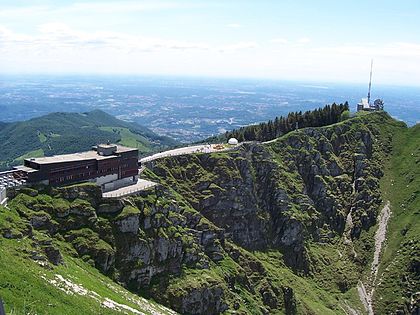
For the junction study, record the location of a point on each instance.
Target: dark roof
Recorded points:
(80, 156)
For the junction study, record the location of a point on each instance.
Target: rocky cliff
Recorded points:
(281, 227)
(302, 187)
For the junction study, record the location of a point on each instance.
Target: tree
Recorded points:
(272, 129)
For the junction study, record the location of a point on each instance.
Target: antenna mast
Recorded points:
(370, 80)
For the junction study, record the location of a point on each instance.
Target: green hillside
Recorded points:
(59, 133)
(285, 227)
(400, 268)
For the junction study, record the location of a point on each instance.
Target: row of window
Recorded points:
(108, 170)
(71, 169)
(74, 177)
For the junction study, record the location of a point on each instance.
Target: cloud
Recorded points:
(122, 6)
(303, 40)
(296, 42)
(112, 7)
(234, 25)
(282, 41)
(238, 46)
(396, 49)
(54, 36)
(60, 47)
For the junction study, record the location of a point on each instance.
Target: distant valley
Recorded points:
(188, 109)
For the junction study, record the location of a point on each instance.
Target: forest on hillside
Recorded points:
(272, 129)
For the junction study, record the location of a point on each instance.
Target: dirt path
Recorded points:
(366, 292)
(347, 232)
(365, 297)
(380, 238)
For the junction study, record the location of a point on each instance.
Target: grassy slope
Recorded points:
(130, 139)
(401, 258)
(25, 286)
(333, 262)
(397, 272)
(31, 154)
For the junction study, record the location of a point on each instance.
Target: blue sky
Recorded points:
(297, 40)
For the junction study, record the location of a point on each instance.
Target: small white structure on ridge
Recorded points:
(233, 141)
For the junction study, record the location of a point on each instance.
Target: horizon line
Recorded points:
(200, 77)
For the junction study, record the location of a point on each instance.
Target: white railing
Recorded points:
(128, 192)
(3, 195)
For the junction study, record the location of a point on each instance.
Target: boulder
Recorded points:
(128, 224)
(110, 207)
(203, 300)
(53, 255)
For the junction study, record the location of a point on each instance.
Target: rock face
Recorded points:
(87, 192)
(188, 243)
(128, 224)
(53, 255)
(282, 194)
(134, 240)
(110, 207)
(203, 300)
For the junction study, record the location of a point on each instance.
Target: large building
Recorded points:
(108, 165)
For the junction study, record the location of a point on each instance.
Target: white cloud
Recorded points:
(296, 42)
(303, 40)
(57, 47)
(238, 46)
(23, 12)
(282, 41)
(123, 6)
(53, 37)
(112, 7)
(59, 35)
(394, 50)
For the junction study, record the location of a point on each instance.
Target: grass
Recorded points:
(42, 138)
(31, 154)
(401, 186)
(129, 138)
(127, 211)
(26, 287)
(311, 297)
(246, 283)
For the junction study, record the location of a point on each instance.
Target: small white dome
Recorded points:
(233, 141)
